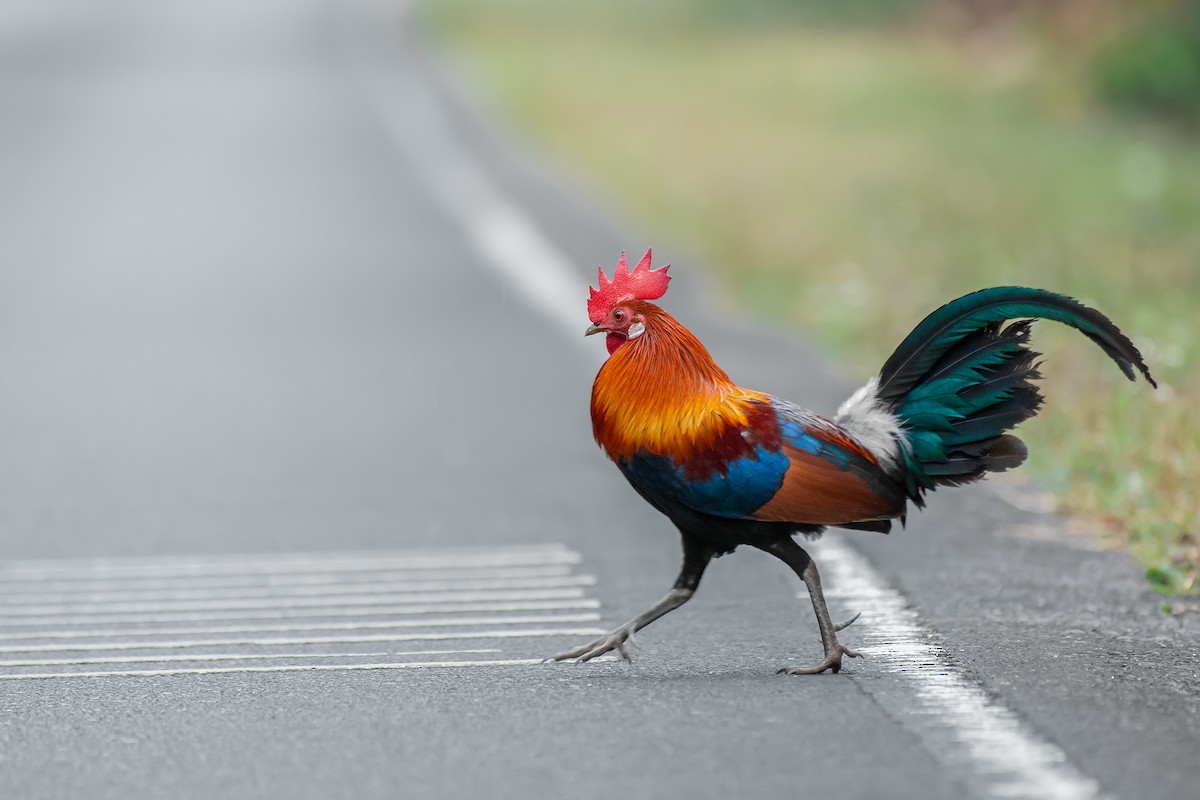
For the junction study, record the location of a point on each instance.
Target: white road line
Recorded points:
(182, 644)
(453, 622)
(506, 238)
(397, 598)
(511, 662)
(476, 595)
(161, 659)
(45, 623)
(324, 556)
(949, 713)
(98, 599)
(153, 582)
(272, 564)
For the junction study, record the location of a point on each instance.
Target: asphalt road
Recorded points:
(271, 285)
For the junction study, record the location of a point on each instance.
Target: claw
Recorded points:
(615, 640)
(847, 623)
(624, 647)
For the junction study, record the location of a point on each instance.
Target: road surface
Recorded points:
(297, 483)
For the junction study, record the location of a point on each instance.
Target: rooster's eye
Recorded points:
(619, 316)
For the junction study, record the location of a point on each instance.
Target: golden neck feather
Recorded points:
(662, 393)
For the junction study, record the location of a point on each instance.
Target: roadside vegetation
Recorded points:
(847, 166)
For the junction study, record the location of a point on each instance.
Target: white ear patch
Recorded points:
(636, 330)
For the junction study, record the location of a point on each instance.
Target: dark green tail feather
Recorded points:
(942, 329)
(958, 382)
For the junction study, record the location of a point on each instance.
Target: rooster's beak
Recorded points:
(595, 328)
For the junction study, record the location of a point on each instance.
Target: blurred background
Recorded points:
(845, 166)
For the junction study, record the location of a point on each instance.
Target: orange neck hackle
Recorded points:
(662, 393)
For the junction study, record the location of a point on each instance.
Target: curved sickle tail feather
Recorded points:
(943, 402)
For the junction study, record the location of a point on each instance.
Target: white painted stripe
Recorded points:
(274, 564)
(44, 623)
(98, 599)
(397, 598)
(506, 238)
(152, 582)
(19, 572)
(452, 622)
(951, 714)
(194, 658)
(161, 659)
(510, 662)
(283, 556)
(436, 591)
(287, 642)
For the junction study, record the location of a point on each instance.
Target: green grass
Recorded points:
(845, 181)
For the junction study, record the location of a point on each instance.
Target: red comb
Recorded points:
(640, 283)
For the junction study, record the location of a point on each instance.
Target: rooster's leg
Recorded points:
(695, 559)
(792, 554)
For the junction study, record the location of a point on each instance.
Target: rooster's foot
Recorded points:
(614, 640)
(832, 662)
(833, 656)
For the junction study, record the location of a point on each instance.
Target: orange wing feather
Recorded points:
(816, 491)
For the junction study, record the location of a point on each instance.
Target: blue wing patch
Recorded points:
(746, 483)
(795, 434)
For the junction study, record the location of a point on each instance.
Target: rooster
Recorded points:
(731, 466)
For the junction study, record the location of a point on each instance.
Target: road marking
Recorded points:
(292, 613)
(951, 714)
(108, 614)
(161, 659)
(183, 644)
(150, 582)
(284, 563)
(397, 598)
(507, 239)
(115, 596)
(451, 622)
(509, 662)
